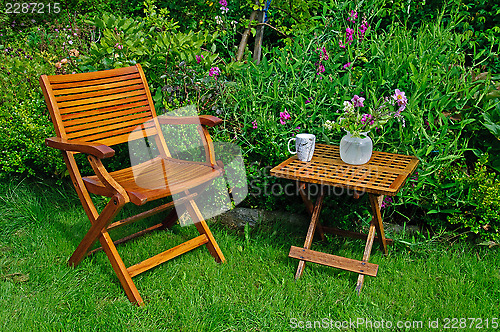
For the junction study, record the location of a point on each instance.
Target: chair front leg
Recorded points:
(107, 215)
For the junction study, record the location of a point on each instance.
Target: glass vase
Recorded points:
(356, 150)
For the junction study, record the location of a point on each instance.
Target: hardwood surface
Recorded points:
(383, 174)
(92, 112)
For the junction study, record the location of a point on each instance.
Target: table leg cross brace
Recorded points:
(362, 267)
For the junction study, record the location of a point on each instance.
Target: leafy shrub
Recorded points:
(290, 90)
(155, 43)
(18, 71)
(469, 199)
(23, 129)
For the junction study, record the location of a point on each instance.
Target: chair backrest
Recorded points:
(103, 107)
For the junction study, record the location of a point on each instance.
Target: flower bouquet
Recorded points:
(359, 123)
(356, 147)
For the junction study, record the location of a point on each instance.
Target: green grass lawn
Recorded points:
(42, 223)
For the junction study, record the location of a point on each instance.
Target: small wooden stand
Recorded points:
(384, 174)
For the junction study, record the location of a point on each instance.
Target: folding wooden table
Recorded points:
(384, 174)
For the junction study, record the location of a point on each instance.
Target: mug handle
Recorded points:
(292, 152)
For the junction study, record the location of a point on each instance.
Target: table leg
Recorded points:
(311, 230)
(366, 255)
(310, 207)
(376, 201)
(375, 225)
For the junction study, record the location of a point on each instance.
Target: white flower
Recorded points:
(218, 19)
(328, 124)
(348, 107)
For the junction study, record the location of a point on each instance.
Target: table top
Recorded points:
(383, 174)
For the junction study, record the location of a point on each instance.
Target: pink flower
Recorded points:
(362, 29)
(223, 7)
(198, 58)
(386, 202)
(118, 46)
(357, 101)
(353, 16)
(325, 55)
(400, 98)
(321, 69)
(284, 116)
(254, 124)
(349, 33)
(214, 71)
(347, 65)
(58, 65)
(341, 44)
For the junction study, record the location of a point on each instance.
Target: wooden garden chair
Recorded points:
(92, 112)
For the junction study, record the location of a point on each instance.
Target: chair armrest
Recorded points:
(98, 150)
(206, 120)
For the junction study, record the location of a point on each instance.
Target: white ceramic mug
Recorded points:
(304, 146)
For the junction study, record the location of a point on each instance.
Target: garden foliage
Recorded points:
(316, 55)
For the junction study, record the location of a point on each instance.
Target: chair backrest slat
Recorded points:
(118, 127)
(114, 75)
(103, 107)
(89, 92)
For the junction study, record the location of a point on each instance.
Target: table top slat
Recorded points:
(384, 173)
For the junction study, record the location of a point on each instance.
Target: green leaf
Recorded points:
(429, 149)
(99, 23)
(491, 126)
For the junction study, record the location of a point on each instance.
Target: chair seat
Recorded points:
(156, 178)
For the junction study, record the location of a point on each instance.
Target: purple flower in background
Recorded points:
(214, 71)
(322, 54)
(284, 116)
(347, 65)
(362, 29)
(254, 124)
(321, 69)
(353, 16)
(198, 58)
(386, 202)
(325, 55)
(349, 33)
(357, 101)
(308, 100)
(223, 7)
(400, 98)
